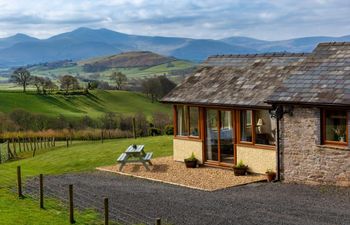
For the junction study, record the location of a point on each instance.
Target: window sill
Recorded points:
(334, 147)
(188, 138)
(265, 147)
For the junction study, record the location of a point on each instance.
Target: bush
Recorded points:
(169, 130)
(154, 131)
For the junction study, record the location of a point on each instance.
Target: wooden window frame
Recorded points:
(253, 142)
(188, 126)
(323, 129)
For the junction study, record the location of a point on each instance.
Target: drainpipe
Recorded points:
(278, 169)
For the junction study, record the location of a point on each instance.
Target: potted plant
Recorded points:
(340, 132)
(240, 169)
(270, 175)
(191, 162)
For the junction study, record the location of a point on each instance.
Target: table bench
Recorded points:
(135, 153)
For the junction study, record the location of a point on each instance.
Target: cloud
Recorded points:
(198, 19)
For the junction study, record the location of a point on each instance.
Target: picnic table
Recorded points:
(135, 153)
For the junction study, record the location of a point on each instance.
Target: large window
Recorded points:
(187, 121)
(257, 127)
(335, 127)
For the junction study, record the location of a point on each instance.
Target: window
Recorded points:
(194, 131)
(187, 121)
(257, 127)
(265, 128)
(182, 120)
(335, 127)
(246, 125)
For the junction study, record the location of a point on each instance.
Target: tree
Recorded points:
(157, 87)
(48, 85)
(37, 82)
(68, 82)
(119, 78)
(21, 76)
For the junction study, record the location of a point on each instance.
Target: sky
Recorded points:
(215, 19)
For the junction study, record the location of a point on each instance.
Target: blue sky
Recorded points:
(269, 20)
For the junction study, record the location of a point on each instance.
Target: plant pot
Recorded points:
(270, 176)
(240, 171)
(191, 163)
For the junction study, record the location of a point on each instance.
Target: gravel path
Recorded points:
(204, 178)
(133, 200)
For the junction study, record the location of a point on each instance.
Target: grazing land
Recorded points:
(94, 104)
(81, 156)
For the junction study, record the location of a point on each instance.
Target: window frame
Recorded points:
(188, 126)
(253, 142)
(324, 140)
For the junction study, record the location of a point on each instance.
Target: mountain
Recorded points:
(9, 41)
(84, 43)
(305, 44)
(198, 50)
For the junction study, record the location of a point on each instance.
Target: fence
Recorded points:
(72, 198)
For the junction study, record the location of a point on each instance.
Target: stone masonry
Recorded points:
(304, 159)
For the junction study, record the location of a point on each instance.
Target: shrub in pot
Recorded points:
(270, 175)
(240, 169)
(191, 162)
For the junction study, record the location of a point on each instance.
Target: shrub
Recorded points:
(169, 130)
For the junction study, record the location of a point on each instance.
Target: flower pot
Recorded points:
(270, 176)
(191, 163)
(240, 171)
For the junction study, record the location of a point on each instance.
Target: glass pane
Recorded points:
(194, 114)
(226, 134)
(265, 128)
(182, 127)
(336, 126)
(246, 125)
(212, 135)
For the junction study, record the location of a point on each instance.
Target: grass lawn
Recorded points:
(94, 105)
(79, 157)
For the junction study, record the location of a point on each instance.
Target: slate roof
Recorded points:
(322, 79)
(235, 80)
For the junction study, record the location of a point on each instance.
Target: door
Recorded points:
(219, 136)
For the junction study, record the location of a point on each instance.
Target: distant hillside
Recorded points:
(93, 105)
(85, 43)
(129, 59)
(305, 44)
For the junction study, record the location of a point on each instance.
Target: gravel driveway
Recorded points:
(134, 200)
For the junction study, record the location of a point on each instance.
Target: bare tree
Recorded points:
(37, 82)
(68, 82)
(21, 76)
(119, 78)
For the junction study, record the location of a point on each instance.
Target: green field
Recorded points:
(79, 157)
(93, 105)
(133, 72)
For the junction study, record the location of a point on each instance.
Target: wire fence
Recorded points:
(19, 183)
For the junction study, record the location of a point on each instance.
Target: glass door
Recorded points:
(226, 137)
(212, 140)
(219, 136)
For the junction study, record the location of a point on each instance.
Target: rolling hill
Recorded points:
(93, 105)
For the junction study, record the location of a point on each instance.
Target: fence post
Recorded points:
(134, 127)
(41, 190)
(71, 205)
(0, 153)
(67, 142)
(158, 221)
(106, 211)
(19, 182)
(101, 136)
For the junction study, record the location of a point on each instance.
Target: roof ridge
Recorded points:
(334, 43)
(270, 54)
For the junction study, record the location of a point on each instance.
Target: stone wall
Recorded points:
(304, 159)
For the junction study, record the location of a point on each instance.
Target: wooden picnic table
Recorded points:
(135, 153)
